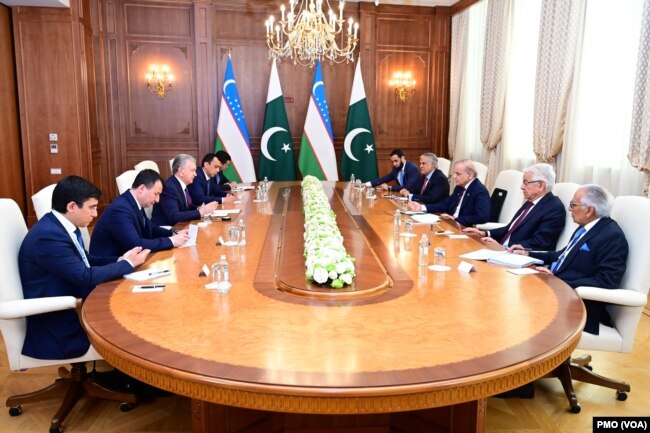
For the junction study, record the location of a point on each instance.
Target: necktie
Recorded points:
(424, 185)
(80, 248)
(207, 188)
(188, 199)
(515, 225)
(460, 201)
(144, 218)
(400, 177)
(555, 266)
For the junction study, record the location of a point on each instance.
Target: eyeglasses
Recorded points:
(527, 182)
(573, 204)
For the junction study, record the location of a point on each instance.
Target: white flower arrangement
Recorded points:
(326, 260)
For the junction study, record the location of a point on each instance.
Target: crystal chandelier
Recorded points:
(305, 34)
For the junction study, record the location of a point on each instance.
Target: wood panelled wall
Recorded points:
(11, 176)
(120, 123)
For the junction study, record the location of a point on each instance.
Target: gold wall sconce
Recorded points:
(404, 85)
(159, 81)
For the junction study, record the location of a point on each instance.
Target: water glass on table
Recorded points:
(233, 234)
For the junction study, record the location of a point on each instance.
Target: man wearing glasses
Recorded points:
(595, 256)
(537, 225)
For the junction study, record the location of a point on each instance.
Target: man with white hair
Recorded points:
(176, 203)
(596, 255)
(537, 225)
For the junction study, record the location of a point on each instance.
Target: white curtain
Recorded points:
(639, 152)
(493, 91)
(516, 149)
(458, 52)
(599, 115)
(468, 131)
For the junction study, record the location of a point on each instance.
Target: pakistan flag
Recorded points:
(276, 160)
(359, 153)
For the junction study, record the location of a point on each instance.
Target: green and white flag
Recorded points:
(276, 160)
(359, 153)
(317, 157)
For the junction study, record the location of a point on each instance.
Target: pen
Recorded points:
(155, 286)
(163, 271)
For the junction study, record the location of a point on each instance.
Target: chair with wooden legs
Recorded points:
(71, 385)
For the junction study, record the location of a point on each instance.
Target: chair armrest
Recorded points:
(630, 298)
(28, 307)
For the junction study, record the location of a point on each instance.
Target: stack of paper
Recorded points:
(501, 257)
(427, 218)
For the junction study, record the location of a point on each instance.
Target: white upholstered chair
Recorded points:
(147, 164)
(42, 202)
(510, 181)
(626, 303)
(565, 191)
(13, 312)
(481, 171)
(444, 165)
(171, 165)
(125, 180)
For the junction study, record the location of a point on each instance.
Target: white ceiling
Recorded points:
(66, 3)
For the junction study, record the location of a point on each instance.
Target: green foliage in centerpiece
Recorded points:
(326, 260)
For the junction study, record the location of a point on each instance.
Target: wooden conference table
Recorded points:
(410, 350)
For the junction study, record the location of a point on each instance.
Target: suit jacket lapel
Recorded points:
(583, 240)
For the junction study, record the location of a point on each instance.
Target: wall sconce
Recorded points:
(159, 81)
(404, 85)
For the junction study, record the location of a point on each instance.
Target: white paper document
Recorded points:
(224, 212)
(426, 218)
(194, 230)
(243, 187)
(523, 271)
(482, 254)
(147, 274)
(514, 260)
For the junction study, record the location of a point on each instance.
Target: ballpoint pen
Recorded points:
(160, 272)
(155, 286)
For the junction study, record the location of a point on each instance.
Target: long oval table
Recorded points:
(422, 348)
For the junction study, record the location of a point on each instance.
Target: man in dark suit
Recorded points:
(537, 225)
(404, 173)
(595, 256)
(175, 203)
(124, 224)
(468, 204)
(223, 162)
(204, 188)
(432, 186)
(52, 262)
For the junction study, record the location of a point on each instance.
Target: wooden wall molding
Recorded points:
(114, 123)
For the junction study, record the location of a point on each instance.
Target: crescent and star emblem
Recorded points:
(264, 145)
(347, 143)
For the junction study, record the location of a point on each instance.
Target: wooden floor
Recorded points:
(546, 413)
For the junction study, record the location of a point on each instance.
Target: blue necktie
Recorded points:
(556, 265)
(80, 248)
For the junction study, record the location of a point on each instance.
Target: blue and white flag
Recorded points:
(232, 135)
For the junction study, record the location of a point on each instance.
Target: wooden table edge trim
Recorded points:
(321, 400)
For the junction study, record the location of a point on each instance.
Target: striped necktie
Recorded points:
(555, 266)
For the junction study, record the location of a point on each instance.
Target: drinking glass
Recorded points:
(439, 256)
(233, 234)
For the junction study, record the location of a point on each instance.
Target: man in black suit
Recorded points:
(432, 186)
(537, 225)
(469, 204)
(223, 162)
(596, 255)
(124, 224)
(404, 173)
(204, 188)
(175, 203)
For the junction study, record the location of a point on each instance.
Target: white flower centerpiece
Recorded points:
(326, 260)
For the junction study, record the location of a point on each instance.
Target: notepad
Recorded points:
(193, 231)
